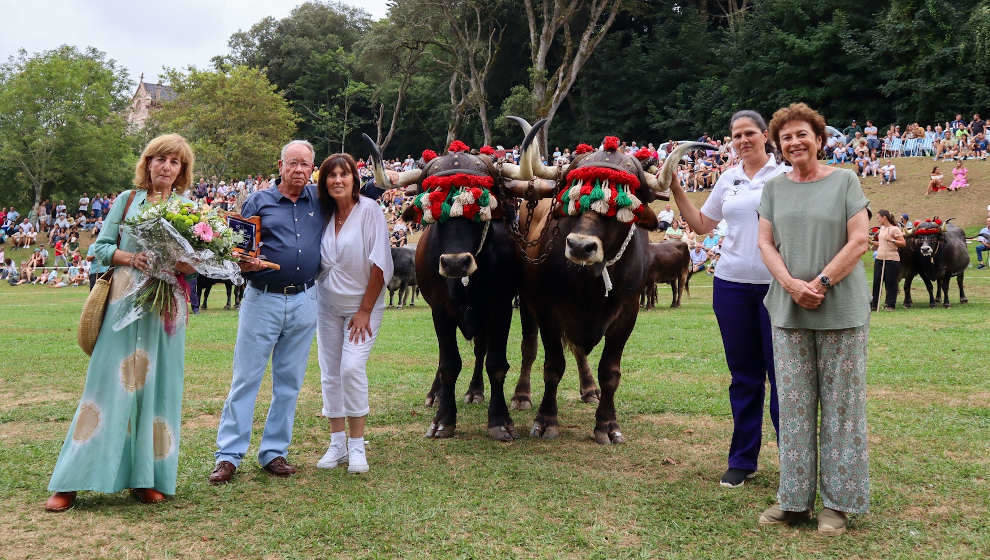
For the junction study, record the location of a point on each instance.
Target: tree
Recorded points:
(581, 25)
(389, 54)
(59, 122)
(235, 120)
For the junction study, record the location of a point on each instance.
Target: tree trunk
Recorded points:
(485, 129)
(550, 89)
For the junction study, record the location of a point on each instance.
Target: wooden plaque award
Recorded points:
(250, 230)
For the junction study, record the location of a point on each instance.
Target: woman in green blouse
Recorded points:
(813, 232)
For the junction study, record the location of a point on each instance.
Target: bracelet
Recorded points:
(133, 256)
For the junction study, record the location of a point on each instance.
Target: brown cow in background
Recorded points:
(669, 263)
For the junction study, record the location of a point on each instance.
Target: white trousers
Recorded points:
(343, 364)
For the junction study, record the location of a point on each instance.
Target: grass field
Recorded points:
(656, 496)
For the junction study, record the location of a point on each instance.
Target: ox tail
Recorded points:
(687, 281)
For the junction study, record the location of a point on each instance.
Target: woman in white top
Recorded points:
(356, 263)
(740, 284)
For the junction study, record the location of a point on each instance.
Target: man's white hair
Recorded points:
(286, 147)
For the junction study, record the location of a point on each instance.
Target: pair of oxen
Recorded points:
(936, 251)
(570, 241)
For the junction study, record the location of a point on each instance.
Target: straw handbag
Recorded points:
(95, 307)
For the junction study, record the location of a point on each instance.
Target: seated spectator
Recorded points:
(674, 232)
(840, 154)
(710, 241)
(980, 146)
(713, 256)
(861, 164)
(57, 280)
(699, 256)
(25, 235)
(935, 184)
(859, 145)
(983, 243)
(690, 237)
(960, 177)
(9, 270)
(872, 166)
(888, 172)
(665, 218)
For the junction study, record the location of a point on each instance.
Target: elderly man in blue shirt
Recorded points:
(277, 317)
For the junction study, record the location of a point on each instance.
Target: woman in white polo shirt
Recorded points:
(741, 282)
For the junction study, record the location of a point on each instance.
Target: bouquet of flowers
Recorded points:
(171, 231)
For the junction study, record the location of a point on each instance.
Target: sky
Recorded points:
(141, 37)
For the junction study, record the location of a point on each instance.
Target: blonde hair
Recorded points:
(166, 144)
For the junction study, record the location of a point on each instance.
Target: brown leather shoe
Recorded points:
(60, 501)
(223, 472)
(280, 467)
(148, 495)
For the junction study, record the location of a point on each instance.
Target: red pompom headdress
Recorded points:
(458, 146)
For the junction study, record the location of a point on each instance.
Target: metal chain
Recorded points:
(519, 234)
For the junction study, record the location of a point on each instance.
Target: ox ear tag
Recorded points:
(465, 280)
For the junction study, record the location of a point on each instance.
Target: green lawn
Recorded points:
(655, 496)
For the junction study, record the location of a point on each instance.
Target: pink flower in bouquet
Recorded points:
(204, 231)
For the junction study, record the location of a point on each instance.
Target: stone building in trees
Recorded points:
(146, 99)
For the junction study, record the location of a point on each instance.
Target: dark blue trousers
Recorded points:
(746, 336)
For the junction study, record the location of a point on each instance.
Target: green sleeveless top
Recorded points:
(809, 229)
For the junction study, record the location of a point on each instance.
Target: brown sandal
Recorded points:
(60, 501)
(148, 495)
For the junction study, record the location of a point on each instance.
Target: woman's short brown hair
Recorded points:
(166, 144)
(798, 112)
(343, 161)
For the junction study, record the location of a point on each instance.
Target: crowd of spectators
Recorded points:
(952, 140)
(61, 225)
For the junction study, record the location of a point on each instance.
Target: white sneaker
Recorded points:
(336, 455)
(357, 461)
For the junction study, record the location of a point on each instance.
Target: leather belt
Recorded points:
(284, 289)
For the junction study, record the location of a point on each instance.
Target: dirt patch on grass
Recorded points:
(927, 397)
(200, 422)
(9, 400)
(40, 534)
(17, 432)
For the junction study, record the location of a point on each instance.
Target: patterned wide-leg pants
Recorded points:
(824, 368)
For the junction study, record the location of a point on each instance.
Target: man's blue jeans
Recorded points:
(272, 326)
(980, 249)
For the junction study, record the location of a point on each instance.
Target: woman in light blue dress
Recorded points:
(125, 432)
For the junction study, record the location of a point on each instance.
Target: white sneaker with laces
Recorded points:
(357, 461)
(336, 455)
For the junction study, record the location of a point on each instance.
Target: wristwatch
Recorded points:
(824, 281)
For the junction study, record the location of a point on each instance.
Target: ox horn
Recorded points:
(378, 167)
(524, 171)
(660, 183)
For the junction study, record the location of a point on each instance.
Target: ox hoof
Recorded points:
(605, 438)
(907, 304)
(474, 398)
(592, 397)
(430, 401)
(964, 300)
(946, 305)
(502, 433)
(675, 305)
(227, 307)
(440, 431)
(933, 304)
(544, 431)
(521, 403)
